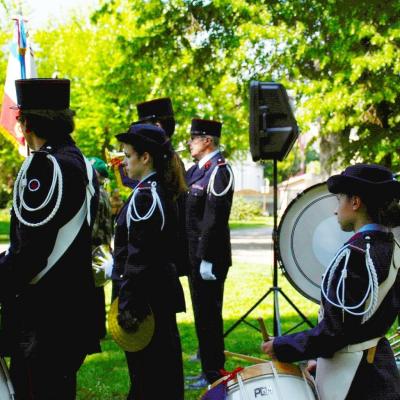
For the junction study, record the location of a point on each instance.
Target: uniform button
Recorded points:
(121, 276)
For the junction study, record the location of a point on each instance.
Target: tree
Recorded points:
(340, 57)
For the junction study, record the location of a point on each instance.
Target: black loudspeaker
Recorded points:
(273, 128)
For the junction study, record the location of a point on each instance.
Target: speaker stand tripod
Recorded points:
(275, 290)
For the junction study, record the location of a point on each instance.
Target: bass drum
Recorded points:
(308, 238)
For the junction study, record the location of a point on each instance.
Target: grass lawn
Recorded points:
(104, 376)
(256, 222)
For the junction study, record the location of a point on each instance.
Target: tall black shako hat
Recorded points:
(368, 180)
(158, 110)
(42, 94)
(150, 136)
(155, 109)
(202, 127)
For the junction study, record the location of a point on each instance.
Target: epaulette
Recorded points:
(221, 162)
(46, 150)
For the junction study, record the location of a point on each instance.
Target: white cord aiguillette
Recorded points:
(211, 183)
(21, 184)
(371, 292)
(132, 212)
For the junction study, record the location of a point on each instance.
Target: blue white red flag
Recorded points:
(21, 65)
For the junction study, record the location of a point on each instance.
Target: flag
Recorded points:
(21, 65)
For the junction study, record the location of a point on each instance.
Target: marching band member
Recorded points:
(160, 112)
(144, 274)
(208, 207)
(157, 112)
(360, 294)
(46, 281)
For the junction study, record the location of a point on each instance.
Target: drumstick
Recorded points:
(244, 357)
(396, 335)
(263, 329)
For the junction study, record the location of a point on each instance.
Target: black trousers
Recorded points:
(157, 372)
(48, 376)
(207, 299)
(100, 312)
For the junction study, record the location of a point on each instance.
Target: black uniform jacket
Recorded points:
(337, 329)
(207, 216)
(55, 314)
(143, 259)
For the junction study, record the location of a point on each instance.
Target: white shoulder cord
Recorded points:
(20, 186)
(372, 290)
(132, 206)
(210, 187)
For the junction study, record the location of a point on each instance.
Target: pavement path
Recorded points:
(253, 245)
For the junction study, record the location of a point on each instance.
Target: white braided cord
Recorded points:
(211, 182)
(132, 212)
(371, 291)
(20, 186)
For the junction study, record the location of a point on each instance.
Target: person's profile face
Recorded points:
(197, 145)
(345, 212)
(133, 163)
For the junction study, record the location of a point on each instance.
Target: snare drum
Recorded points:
(6, 387)
(270, 380)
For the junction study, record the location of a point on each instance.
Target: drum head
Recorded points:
(309, 237)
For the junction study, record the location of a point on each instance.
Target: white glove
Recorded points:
(206, 271)
(107, 264)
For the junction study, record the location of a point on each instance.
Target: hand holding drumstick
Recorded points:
(268, 341)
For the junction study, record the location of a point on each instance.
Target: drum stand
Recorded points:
(275, 290)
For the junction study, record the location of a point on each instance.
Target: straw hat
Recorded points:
(132, 342)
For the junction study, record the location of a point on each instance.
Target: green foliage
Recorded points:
(339, 58)
(10, 161)
(243, 209)
(4, 226)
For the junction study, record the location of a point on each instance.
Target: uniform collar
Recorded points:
(372, 227)
(140, 183)
(206, 158)
(367, 228)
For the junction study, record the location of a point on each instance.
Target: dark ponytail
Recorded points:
(171, 171)
(385, 212)
(167, 164)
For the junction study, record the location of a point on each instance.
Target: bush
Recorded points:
(245, 209)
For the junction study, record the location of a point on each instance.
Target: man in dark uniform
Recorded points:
(102, 235)
(46, 280)
(208, 207)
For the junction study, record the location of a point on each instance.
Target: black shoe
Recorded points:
(201, 383)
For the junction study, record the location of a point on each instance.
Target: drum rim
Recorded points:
(257, 370)
(279, 255)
